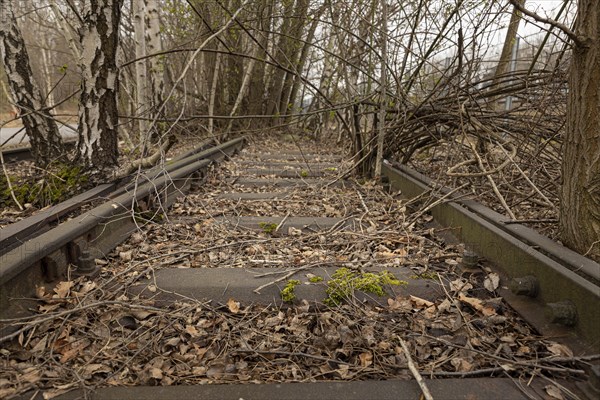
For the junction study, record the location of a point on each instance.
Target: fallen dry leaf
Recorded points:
(491, 282)
(366, 359)
(234, 306)
(477, 304)
(62, 289)
(554, 392)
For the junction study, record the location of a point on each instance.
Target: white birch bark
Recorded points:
(153, 46)
(213, 92)
(244, 87)
(141, 77)
(44, 137)
(46, 62)
(98, 115)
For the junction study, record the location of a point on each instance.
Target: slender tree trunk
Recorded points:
(383, 84)
(141, 73)
(213, 92)
(294, 48)
(154, 45)
(243, 88)
(509, 42)
(278, 77)
(47, 61)
(66, 30)
(580, 194)
(46, 143)
(291, 98)
(98, 113)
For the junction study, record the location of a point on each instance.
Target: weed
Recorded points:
(344, 282)
(268, 227)
(287, 293)
(56, 184)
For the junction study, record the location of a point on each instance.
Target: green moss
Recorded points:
(304, 173)
(54, 185)
(287, 294)
(315, 279)
(344, 282)
(268, 227)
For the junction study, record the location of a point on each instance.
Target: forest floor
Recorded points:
(88, 334)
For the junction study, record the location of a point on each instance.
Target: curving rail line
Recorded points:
(33, 252)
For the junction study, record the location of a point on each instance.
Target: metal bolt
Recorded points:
(469, 259)
(563, 313)
(86, 265)
(524, 286)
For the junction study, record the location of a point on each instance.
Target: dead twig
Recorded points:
(413, 369)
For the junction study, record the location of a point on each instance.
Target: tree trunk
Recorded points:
(509, 42)
(303, 56)
(141, 75)
(383, 84)
(213, 92)
(46, 143)
(243, 89)
(280, 52)
(294, 48)
(580, 194)
(98, 113)
(154, 45)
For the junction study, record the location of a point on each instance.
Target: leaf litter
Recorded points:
(92, 334)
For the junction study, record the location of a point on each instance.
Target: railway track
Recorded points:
(41, 248)
(273, 214)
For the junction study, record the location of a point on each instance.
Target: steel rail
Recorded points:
(14, 234)
(541, 273)
(77, 242)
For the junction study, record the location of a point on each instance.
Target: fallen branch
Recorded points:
(151, 160)
(424, 389)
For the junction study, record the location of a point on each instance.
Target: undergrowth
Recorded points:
(51, 186)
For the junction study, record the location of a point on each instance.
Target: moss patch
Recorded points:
(52, 186)
(287, 294)
(344, 282)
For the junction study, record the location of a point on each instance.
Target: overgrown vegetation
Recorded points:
(53, 185)
(344, 282)
(288, 292)
(268, 227)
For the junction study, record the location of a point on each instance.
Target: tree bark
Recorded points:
(294, 52)
(141, 72)
(98, 114)
(580, 194)
(509, 42)
(42, 130)
(154, 45)
(303, 56)
(280, 51)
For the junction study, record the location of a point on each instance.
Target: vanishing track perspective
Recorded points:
(271, 274)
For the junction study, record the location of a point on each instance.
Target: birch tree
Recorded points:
(154, 45)
(141, 78)
(98, 115)
(42, 130)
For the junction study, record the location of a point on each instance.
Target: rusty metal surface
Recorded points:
(516, 258)
(46, 257)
